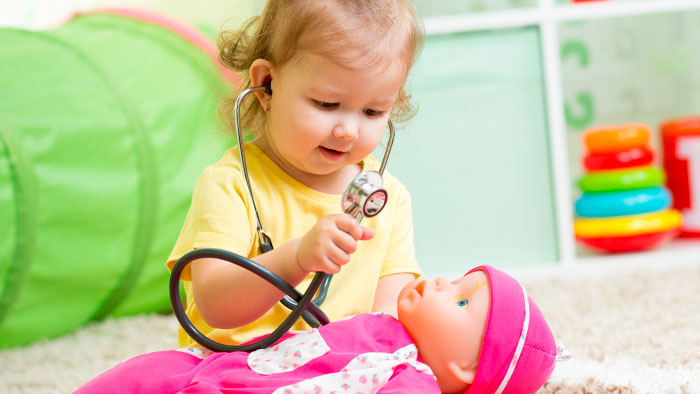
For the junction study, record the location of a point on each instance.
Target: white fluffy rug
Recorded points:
(629, 331)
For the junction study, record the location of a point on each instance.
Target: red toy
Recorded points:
(636, 157)
(629, 243)
(681, 147)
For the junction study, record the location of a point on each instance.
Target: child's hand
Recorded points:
(329, 243)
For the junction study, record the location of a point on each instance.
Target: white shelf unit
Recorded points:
(546, 16)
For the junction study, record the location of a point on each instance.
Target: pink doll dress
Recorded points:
(367, 353)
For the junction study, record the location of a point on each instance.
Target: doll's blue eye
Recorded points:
(462, 302)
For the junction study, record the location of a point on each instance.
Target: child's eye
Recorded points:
(462, 302)
(325, 105)
(372, 113)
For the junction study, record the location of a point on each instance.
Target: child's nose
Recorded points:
(346, 130)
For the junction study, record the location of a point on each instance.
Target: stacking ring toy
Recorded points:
(628, 225)
(608, 139)
(634, 157)
(631, 242)
(625, 202)
(633, 178)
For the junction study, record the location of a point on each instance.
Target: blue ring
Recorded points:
(625, 202)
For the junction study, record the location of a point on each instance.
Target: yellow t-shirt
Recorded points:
(221, 216)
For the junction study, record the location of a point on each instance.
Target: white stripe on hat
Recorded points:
(519, 348)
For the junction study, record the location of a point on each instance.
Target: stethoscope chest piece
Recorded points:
(365, 195)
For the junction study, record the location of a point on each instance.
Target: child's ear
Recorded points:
(464, 374)
(261, 72)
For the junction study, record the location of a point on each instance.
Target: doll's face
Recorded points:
(447, 319)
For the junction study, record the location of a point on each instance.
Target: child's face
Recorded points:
(324, 117)
(447, 321)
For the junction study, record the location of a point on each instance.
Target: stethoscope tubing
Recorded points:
(241, 155)
(303, 302)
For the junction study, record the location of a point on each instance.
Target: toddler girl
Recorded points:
(335, 71)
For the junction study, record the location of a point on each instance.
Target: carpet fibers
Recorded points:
(631, 331)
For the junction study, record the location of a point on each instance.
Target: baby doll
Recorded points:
(480, 333)
(499, 343)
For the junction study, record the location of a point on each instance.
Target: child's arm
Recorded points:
(228, 296)
(387, 294)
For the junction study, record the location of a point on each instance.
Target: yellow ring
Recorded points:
(628, 225)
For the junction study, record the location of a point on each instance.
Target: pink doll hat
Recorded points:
(518, 352)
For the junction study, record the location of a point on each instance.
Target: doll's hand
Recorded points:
(330, 242)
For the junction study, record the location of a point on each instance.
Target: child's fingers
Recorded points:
(338, 256)
(346, 243)
(331, 267)
(367, 233)
(349, 225)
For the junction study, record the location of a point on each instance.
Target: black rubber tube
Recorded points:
(291, 304)
(304, 303)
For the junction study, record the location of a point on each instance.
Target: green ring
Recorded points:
(635, 178)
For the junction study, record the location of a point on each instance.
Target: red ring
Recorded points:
(629, 243)
(627, 158)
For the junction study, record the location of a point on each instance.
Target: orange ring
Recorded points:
(616, 138)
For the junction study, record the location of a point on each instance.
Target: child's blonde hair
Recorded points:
(354, 33)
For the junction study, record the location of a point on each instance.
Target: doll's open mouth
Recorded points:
(411, 294)
(420, 287)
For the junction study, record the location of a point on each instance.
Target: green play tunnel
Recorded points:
(105, 124)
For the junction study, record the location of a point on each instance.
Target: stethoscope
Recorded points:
(363, 197)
